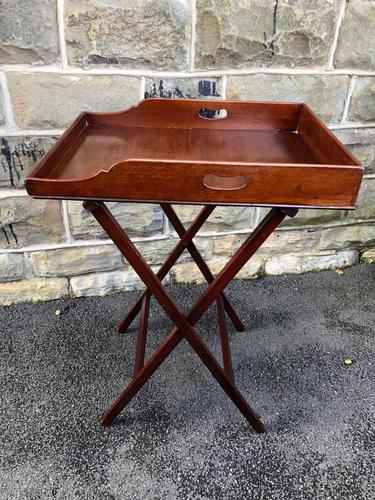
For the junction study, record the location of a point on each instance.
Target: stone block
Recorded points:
(245, 33)
(222, 218)
(293, 241)
(46, 100)
(253, 268)
(368, 256)
(324, 94)
(308, 218)
(28, 32)
(25, 221)
(278, 242)
(105, 283)
(11, 266)
(75, 260)
(227, 245)
(128, 33)
(18, 155)
(362, 104)
(365, 208)
(34, 290)
(347, 236)
(156, 252)
(361, 142)
(190, 88)
(138, 219)
(297, 264)
(356, 42)
(312, 218)
(187, 272)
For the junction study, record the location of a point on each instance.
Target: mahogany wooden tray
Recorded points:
(187, 151)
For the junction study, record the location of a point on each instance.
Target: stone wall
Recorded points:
(58, 57)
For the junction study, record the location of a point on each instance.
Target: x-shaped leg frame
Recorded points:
(143, 302)
(184, 325)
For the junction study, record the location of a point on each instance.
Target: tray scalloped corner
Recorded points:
(183, 151)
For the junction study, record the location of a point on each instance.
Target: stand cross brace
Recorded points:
(184, 243)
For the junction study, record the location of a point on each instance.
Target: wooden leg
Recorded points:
(142, 334)
(225, 348)
(203, 267)
(184, 325)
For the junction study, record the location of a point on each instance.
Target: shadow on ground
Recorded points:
(181, 437)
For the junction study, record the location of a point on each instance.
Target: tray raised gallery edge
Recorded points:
(201, 151)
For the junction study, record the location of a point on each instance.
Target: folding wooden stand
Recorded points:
(184, 325)
(277, 155)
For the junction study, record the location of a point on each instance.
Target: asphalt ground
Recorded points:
(181, 438)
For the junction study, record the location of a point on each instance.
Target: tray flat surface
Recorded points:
(98, 147)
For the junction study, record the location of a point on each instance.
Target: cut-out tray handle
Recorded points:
(212, 114)
(220, 183)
